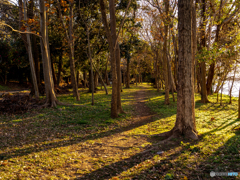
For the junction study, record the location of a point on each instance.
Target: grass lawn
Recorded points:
(3, 88)
(83, 142)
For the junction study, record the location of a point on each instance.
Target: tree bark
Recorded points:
(114, 107)
(105, 87)
(90, 57)
(48, 79)
(30, 56)
(230, 91)
(165, 68)
(204, 98)
(117, 53)
(185, 120)
(59, 68)
(128, 74)
(69, 36)
(53, 73)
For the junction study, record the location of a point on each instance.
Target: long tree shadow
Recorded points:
(37, 146)
(117, 168)
(225, 159)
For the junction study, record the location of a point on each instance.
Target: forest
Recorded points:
(119, 89)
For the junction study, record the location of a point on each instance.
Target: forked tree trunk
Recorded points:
(69, 36)
(114, 107)
(185, 121)
(105, 87)
(48, 79)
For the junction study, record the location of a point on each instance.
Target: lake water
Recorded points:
(227, 86)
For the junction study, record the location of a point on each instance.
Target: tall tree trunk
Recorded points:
(194, 43)
(91, 63)
(185, 120)
(114, 105)
(117, 53)
(204, 98)
(72, 60)
(30, 56)
(69, 36)
(48, 79)
(165, 66)
(211, 70)
(35, 47)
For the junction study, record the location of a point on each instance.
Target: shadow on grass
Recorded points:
(225, 159)
(47, 132)
(117, 168)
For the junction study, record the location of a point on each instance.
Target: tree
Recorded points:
(70, 40)
(185, 120)
(30, 56)
(47, 70)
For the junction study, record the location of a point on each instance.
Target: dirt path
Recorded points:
(118, 152)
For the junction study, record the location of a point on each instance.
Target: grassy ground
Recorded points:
(85, 143)
(3, 88)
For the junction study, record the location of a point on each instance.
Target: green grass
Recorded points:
(4, 88)
(70, 142)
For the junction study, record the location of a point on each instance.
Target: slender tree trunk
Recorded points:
(230, 91)
(48, 79)
(204, 98)
(59, 68)
(128, 74)
(105, 87)
(106, 73)
(54, 74)
(35, 47)
(90, 56)
(117, 54)
(114, 104)
(239, 104)
(165, 68)
(85, 78)
(194, 44)
(77, 78)
(72, 61)
(70, 40)
(30, 56)
(157, 73)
